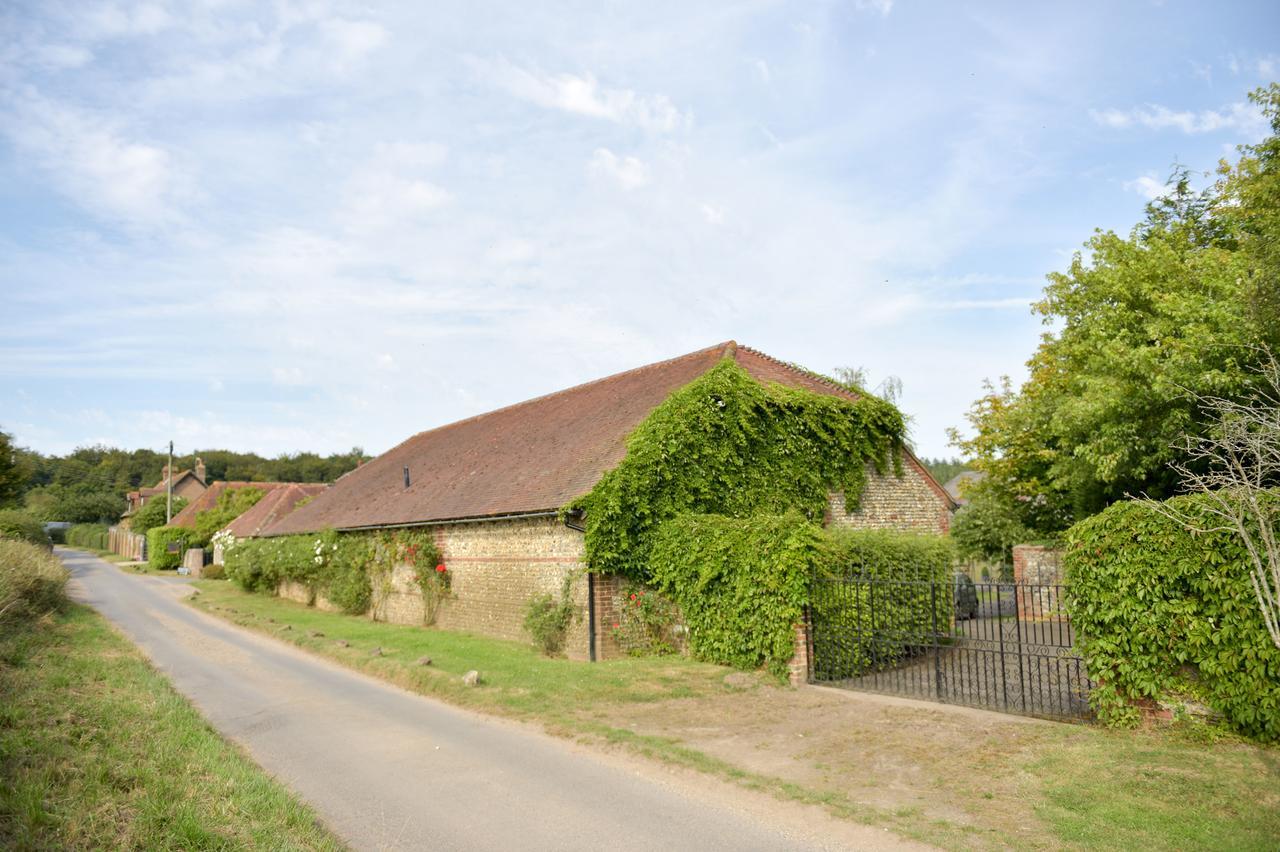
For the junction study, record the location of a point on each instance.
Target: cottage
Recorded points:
(493, 487)
(274, 505)
(188, 484)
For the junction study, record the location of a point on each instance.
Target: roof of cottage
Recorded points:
(534, 456)
(273, 506)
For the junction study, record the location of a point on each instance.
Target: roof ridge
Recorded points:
(727, 348)
(801, 371)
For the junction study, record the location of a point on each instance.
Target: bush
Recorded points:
(329, 563)
(741, 583)
(19, 526)
(91, 536)
(898, 587)
(152, 514)
(1162, 612)
(547, 620)
(32, 582)
(231, 504)
(158, 541)
(647, 622)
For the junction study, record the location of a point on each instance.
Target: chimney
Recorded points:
(200, 469)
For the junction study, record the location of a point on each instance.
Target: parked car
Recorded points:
(966, 597)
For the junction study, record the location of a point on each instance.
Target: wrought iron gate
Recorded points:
(1002, 646)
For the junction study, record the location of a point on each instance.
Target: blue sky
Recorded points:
(307, 226)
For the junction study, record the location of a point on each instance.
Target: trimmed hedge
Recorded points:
(1161, 612)
(902, 584)
(158, 541)
(19, 526)
(741, 583)
(92, 536)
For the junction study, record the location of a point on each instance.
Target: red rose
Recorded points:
(633, 597)
(616, 626)
(440, 569)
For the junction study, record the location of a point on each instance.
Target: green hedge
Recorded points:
(741, 583)
(158, 541)
(19, 526)
(92, 536)
(900, 584)
(1161, 612)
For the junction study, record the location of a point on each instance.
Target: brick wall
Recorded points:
(890, 502)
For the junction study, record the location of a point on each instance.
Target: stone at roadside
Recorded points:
(424, 661)
(376, 652)
(471, 678)
(316, 634)
(342, 643)
(287, 627)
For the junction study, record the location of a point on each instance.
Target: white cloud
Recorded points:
(350, 40)
(880, 7)
(392, 188)
(712, 213)
(1267, 67)
(629, 172)
(583, 95)
(1147, 186)
(96, 163)
(1240, 117)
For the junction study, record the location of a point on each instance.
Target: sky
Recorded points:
(286, 226)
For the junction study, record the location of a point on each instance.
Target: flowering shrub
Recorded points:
(224, 540)
(648, 623)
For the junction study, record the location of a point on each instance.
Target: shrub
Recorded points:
(32, 582)
(260, 564)
(741, 583)
(152, 514)
(158, 541)
(231, 504)
(1163, 612)
(547, 620)
(19, 526)
(91, 536)
(897, 586)
(648, 622)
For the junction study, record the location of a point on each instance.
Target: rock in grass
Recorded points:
(424, 661)
(316, 634)
(287, 627)
(376, 652)
(471, 678)
(342, 643)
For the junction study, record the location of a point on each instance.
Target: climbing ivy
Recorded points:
(727, 445)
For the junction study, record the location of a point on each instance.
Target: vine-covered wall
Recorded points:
(727, 445)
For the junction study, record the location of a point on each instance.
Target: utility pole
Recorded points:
(168, 486)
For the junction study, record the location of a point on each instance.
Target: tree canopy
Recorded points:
(1139, 328)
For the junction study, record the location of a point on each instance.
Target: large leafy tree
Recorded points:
(1140, 328)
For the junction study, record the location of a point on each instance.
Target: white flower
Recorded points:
(319, 560)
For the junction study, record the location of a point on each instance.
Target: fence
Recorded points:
(128, 544)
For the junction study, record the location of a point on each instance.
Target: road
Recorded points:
(387, 769)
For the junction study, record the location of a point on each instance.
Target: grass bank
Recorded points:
(954, 778)
(97, 751)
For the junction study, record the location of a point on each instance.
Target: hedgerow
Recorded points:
(19, 526)
(32, 582)
(727, 445)
(92, 536)
(741, 583)
(158, 541)
(1162, 612)
(896, 587)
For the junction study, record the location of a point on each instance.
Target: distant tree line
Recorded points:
(89, 484)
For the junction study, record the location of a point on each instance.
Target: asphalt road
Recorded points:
(387, 769)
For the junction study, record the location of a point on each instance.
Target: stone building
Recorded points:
(188, 484)
(492, 487)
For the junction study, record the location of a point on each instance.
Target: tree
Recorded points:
(988, 527)
(152, 513)
(1237, 467)
(1142, 326)
(13, 472)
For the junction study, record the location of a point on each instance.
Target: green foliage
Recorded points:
(944, 470)
(647, 622)
(741, 583)
(725, 444)
(260, 564)
(1141, 325)
(547, 618)
(152, 514)
(1163, 611)
(32, 582)
(13, 473)
(92, 536)
(158, 541)
(20, 526)
(988, 527)
(232, 503)
(900, 583)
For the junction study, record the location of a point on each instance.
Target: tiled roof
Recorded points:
(273, 506)
(209, 499)
(534, 456)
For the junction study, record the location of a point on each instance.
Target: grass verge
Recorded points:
(97, 751)
(927, 773)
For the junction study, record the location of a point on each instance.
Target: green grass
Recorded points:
(1056, 786)
(97, 751)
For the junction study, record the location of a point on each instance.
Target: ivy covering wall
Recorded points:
(1163, 613)
(727, 445)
